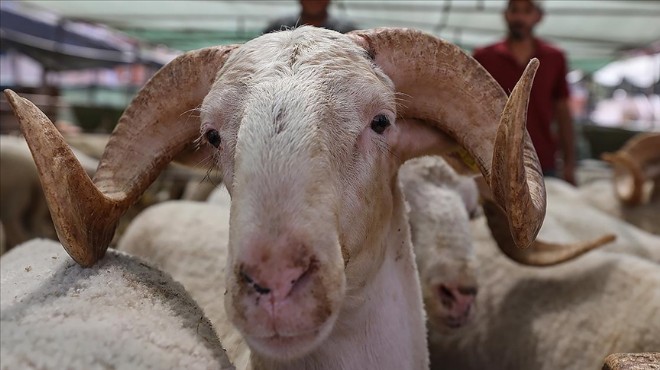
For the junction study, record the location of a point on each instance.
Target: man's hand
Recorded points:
(569, 173)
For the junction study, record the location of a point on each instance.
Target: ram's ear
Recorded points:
(412, 138)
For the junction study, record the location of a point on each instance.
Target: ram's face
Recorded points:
(303, 128)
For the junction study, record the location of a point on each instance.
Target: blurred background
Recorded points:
(82, 61)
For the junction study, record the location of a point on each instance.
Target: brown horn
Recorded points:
(541, 253)
(449, 89)
(637, 162)
(152, 131)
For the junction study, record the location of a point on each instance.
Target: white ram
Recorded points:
(308, 128)
(119, 314)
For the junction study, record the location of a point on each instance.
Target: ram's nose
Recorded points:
(277, 283)
(458, 301)
(276, 271)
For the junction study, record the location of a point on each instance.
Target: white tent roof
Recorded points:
(591, 32)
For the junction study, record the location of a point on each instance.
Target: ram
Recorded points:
(308, 128)
(120, 314)
(637, 169)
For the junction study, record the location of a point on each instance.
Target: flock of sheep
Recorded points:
(338, 256)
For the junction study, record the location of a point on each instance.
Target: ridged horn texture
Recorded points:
(637, 162)
(449, 89)
(541, 253)
(154, 128)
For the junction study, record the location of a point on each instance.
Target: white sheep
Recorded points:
(119, 314)
(600, 293)
(308, 128)
(601, 194)
(568, 316)
(570, 211)
(23, 209)
(446, 262)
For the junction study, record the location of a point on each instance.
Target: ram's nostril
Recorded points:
(467, 290)
(447, 297)
(248, 280)
(260, 289)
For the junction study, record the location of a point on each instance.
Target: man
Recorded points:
(313, 13)
(506, 61)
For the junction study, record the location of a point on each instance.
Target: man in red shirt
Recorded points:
(506, 61)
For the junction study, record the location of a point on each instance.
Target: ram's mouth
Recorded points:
(286, 347)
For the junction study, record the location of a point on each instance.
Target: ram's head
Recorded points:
(309, 128)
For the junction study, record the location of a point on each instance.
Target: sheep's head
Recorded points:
(440, 203)
(309, 128)
(305, 149)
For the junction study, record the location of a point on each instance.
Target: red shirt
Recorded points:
(549, 87)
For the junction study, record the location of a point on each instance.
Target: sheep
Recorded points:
(23, 208)
(436, 194)
(308, 128)
(187, 240)
(119, 314)
(568, 316)
(569, 211)
(601, 194)
(540, 305)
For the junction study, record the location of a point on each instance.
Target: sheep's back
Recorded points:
(121, 314)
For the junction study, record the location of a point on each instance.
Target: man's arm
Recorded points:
(566, 139)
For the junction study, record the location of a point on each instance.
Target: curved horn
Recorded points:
(541, 253)
(635, 163)
(150, 133)
(451, 90)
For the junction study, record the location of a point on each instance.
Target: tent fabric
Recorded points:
(592, 33)
(58, 44)
(641, 71)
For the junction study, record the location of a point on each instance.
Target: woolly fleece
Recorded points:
(119, 314)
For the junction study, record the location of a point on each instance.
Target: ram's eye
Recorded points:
(380, 123)
(213, 137)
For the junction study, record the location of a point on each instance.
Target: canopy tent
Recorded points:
(641, 71)
(59, 44)
(593, 33)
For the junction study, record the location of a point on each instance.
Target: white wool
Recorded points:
(600, 194)
(188, 240)
(570, 218)
(119, 314)
(568, 316)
